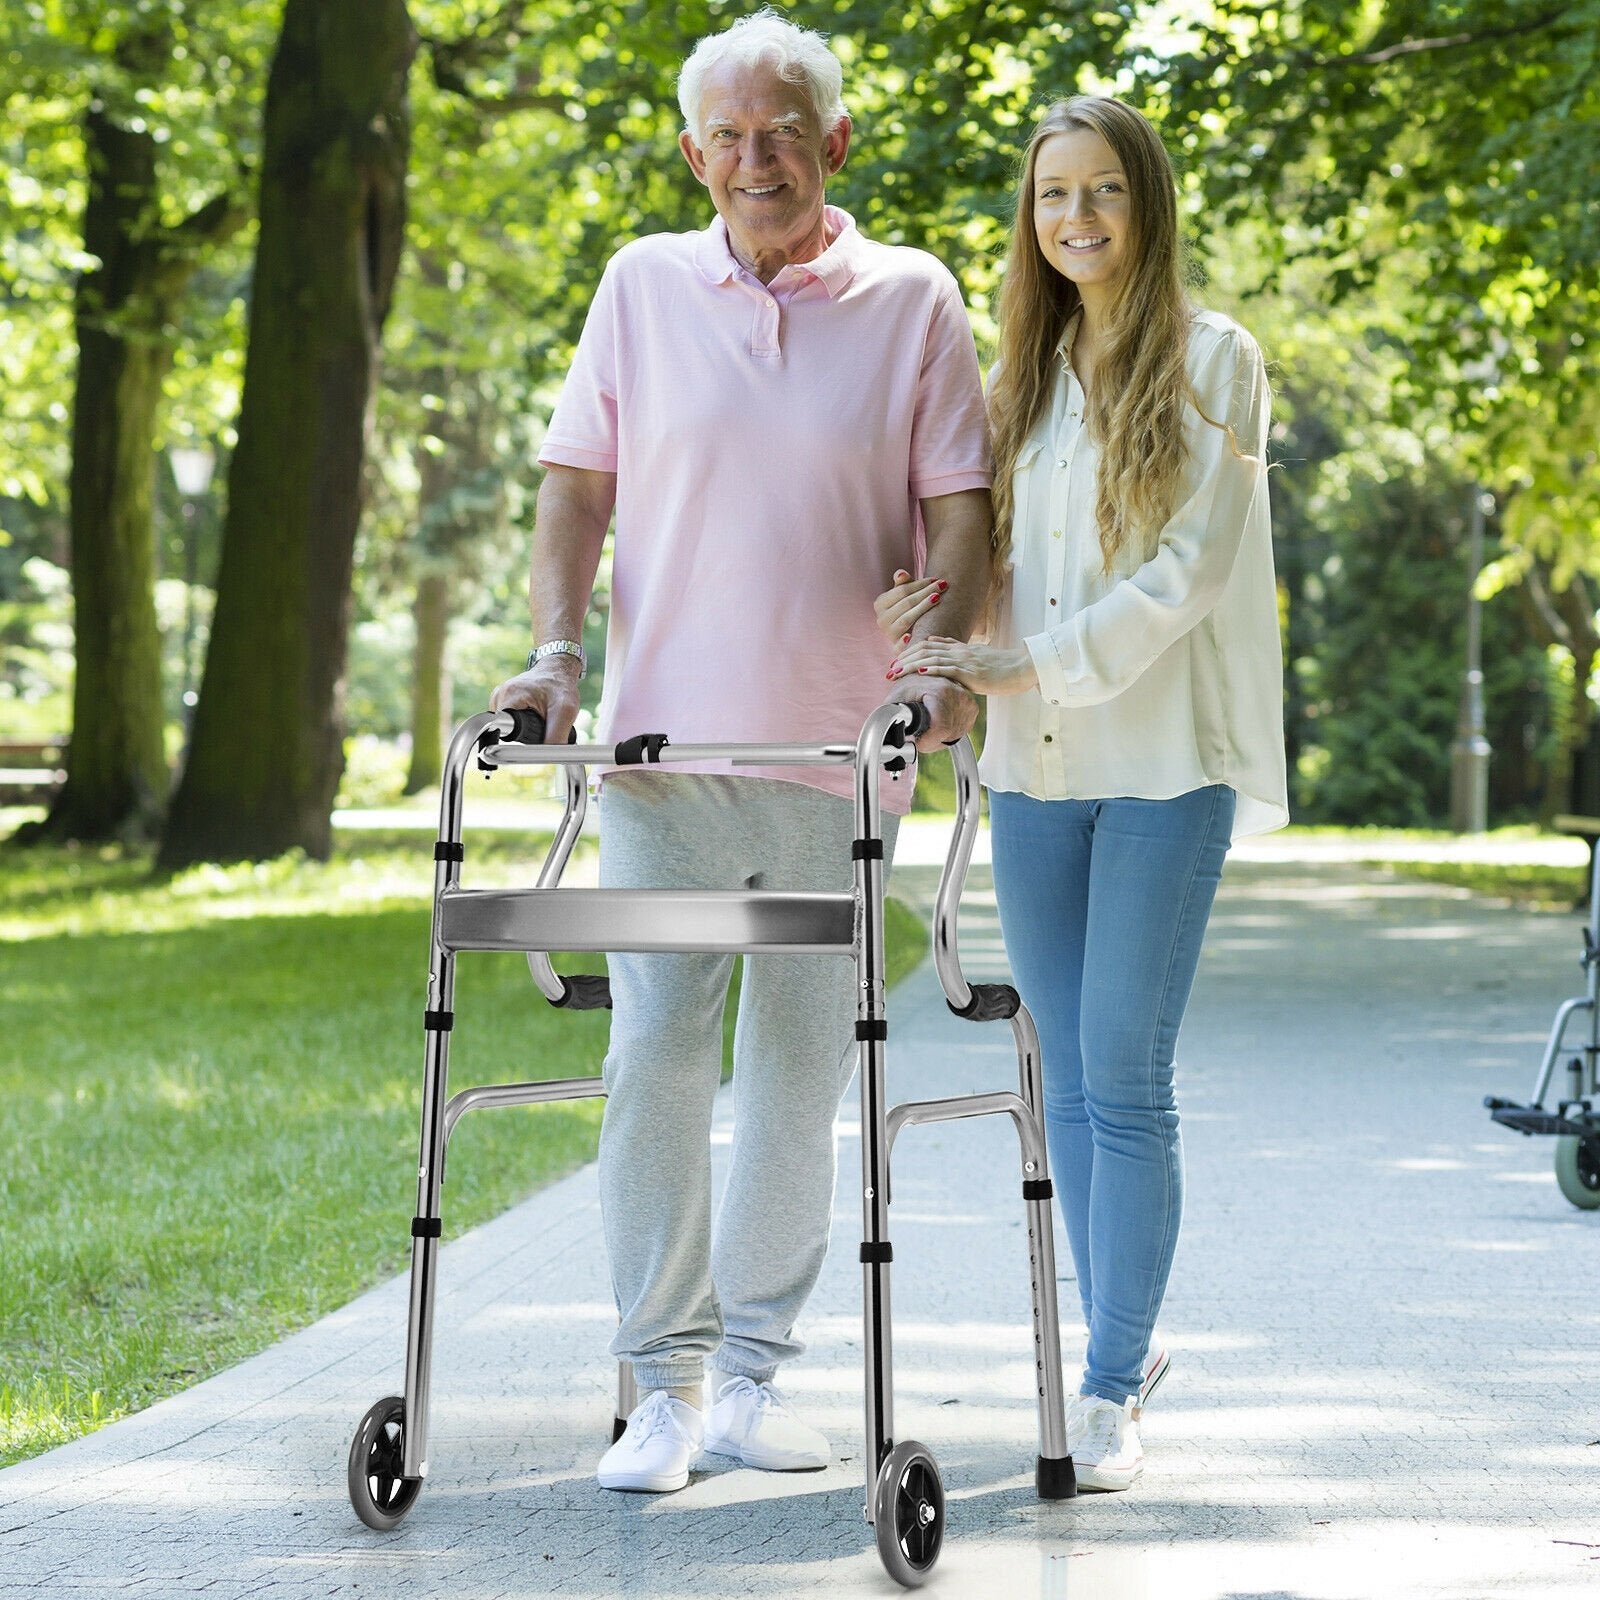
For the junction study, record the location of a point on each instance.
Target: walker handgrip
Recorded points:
(921, 720)
(527, 727)
(585, 992)
(990, 1002)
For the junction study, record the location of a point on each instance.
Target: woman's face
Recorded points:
(1081, 212)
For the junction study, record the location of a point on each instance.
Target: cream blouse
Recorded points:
(1167, 674)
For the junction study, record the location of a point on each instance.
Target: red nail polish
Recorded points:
(905, 638)
(922, 669)
(943, 585)
(933, 600)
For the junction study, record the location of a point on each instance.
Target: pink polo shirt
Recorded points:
(770, 447)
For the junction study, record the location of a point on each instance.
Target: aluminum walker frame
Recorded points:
(904, 1494)
(1576, 1120)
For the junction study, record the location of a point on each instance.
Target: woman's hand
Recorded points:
(898, 608)
(982, 668)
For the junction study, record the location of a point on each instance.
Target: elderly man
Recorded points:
(765, 405)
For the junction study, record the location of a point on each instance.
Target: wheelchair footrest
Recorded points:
(1582, 1124)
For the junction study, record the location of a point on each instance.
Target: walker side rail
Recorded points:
(905, 1499)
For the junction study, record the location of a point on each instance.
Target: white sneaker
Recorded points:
(662, 1442)
(754, 1422)
(1156, 1362)
(1104, 1441)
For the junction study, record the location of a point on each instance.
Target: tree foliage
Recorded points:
(1463, 137)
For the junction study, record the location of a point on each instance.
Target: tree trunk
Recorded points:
(116, 768)
(267, 748)
(430, 680)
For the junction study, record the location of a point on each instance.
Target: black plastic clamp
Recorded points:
(585, 991)
(449, 850)
(438, 1021)
(426, 1227)
(883, 1252)
(876, 1029)
(990, 1002)
(1037, 1189)
(642, 747)
(866, 849)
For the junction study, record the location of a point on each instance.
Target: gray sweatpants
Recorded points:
(687, 1293)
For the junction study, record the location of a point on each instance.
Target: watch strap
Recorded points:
(559, 647)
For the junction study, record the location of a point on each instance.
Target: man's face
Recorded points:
(765, 159)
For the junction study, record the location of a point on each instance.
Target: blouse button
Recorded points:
(1052, 600)
(1055, 533)
(1049, 738)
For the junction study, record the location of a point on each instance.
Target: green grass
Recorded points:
(208, 1107)
(1532, 886)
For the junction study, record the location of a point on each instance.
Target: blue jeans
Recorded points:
(1104, 905)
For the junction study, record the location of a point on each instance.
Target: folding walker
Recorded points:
(904, 1494)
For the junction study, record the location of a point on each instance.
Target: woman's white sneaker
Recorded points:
(1156, 1363)
(754, 1422)
(1104, 1440)
(662, 1441)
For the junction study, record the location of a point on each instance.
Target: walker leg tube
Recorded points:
(425, 1230)
(627, 1399)
(871, 1033)
(1054, 1475)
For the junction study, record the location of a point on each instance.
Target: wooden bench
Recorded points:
(1587, 829)
(31, 770)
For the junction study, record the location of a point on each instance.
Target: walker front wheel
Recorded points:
(908, 1513)
(379, 1489)
(1578, 1169)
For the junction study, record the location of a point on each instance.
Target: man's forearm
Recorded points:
(573, 513)
(958, 551)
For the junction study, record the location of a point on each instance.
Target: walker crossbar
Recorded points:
(757, 921)
(388, 1458)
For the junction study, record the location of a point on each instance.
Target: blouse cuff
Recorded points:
(1052, 679)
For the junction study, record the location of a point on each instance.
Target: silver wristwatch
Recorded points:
(559, 647)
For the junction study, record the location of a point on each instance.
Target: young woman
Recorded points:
(1134, 675)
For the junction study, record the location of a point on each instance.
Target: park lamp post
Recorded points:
(1469, 754)
(191, 469)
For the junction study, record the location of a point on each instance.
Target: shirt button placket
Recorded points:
(764, 341)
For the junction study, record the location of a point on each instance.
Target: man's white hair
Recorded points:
(798, 55)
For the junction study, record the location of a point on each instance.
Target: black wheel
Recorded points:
(908, 1513)
(1578, 1169)
(379, 1491)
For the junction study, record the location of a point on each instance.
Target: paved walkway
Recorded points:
(1385, 1324)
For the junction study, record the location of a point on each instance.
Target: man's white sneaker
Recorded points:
(662, 1442)
(754, 1422)
(1104, 1441)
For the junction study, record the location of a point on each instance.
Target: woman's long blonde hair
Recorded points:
(1141, 383)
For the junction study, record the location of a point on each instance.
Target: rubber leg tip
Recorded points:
(1055, 1478)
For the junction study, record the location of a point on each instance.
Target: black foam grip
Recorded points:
(921, 719)
(585, 991)
(640, 748)
(1055, 1478)
(990, 1002)
(527, 727)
